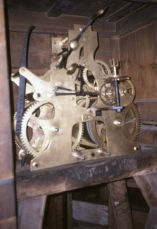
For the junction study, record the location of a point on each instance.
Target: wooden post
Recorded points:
(31, 213)
(151, 220)
(59, 211)
(7, 193)
(69, 211)
(119, 203)
(148, 186)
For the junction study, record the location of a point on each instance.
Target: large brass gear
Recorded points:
(17, 140)
(129, 122)
(126, 91)
(87, 78)
(38, 119)
(96, 130)
(41, 131)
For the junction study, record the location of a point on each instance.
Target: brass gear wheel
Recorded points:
(77, 133)
(107, 93)
(130, 123)
(83, 101)
(78, 129)
(17, 140)
(126, 91)
(89, 77)
(35, 131)
(96, 130)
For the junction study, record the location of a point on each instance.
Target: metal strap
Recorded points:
(21, 91)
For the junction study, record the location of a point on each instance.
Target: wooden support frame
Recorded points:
(148, 186)
(7, 191)
(78, 175)
(151, 220)
(147, 183)
(118, 202)
(31, 213)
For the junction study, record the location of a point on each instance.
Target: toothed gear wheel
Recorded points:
(126, 92)
(83, 101)
(107, 93)
(78, 129)
(87, 78)
(131, 122)
(17, 140)
(96, 130)
(35, 130)
(77, 133)
(38, 118)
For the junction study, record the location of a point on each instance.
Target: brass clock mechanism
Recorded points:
(80, 109)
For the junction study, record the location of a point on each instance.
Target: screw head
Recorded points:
(136, 148)
(35, 164)
(74, 44)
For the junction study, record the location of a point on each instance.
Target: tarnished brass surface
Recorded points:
(61, 124)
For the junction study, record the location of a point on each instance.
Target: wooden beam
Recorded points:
(138, 19)
(125, 11)
(145, 1)
(78, 175)
(9, 223)
(31, 213)
(7, 193)
(69, 211)
(148, 186)
(152, 219)
(20, 20)
(118, 199)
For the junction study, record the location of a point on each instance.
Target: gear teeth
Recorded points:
(81, 137)
(84, 74)
(133, 107)
(101, 80)
(16, 138)
(78, 139)
(83, 130)
(82, 98)
(23, 137)
(140, 122)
